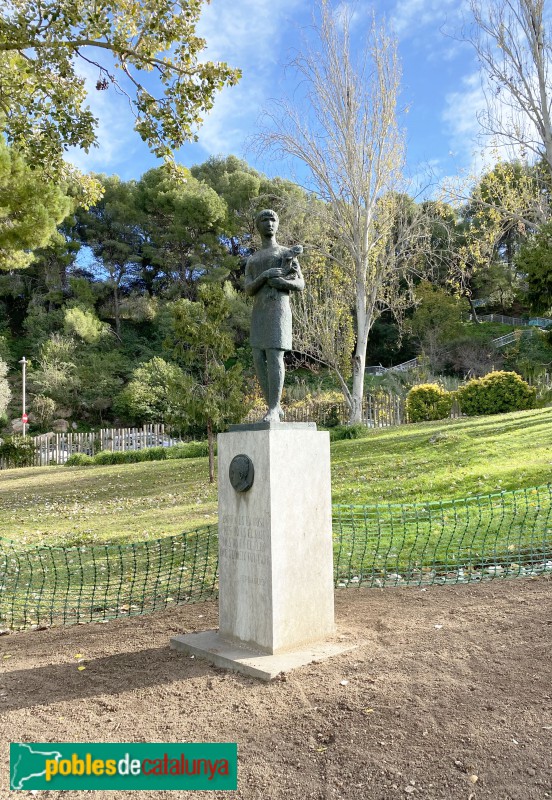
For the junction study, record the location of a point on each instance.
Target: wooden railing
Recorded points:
(55, 448)
(378, 411)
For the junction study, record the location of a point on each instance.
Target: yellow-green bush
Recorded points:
(428, 401)
(325, 408)
(496, 393)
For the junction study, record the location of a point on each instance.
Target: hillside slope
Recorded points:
(447, 459)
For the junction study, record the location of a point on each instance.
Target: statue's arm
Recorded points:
(252, 285)
(291, 283)
(297, 282)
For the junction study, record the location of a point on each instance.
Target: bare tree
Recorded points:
(344, 129)
(322, 323)
(514, 49)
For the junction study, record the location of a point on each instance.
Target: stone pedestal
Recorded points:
(275, 540)
(276, 607)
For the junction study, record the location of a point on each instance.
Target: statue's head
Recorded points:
(267, 220)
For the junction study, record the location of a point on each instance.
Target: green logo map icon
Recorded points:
(80, 765)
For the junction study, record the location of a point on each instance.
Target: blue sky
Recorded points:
(441, 86)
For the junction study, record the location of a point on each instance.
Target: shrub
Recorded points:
(17, 451)
(79, 460)
(496, 393)
(152, 454)
(106, 457)
(5, 391)
(332, 417)
(44, 409)
(428, 401)
(188, 450)
(147, 396)
(340, 432)
(130, 456)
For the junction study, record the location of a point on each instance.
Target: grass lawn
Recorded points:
(121, 517)
(444, 460)
(135, 502)
(74, 505)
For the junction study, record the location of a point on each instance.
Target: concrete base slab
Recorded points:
(210, 646)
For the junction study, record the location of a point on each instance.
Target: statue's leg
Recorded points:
(261, 370)
(276, 375)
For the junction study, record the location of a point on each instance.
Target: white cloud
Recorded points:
(352, 12)
(460, 115)
(255, 36)
(227, 125)
(410, 15)
(246, 34)
(117, 141)
(462, 108)
(469, 144)
(422, 183)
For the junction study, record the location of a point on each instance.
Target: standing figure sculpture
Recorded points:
(270, 275)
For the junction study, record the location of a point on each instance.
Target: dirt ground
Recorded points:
(448, 695)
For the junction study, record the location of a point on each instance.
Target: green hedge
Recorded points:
(17, 451)
(79, 460)
(131, 456)
(357, 431)
(183, 450)
(496, 393)
(188, 450)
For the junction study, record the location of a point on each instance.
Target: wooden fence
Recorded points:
(56, 448)
(383, 410)
(378, 411)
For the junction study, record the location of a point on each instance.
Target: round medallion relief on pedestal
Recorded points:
(241, 473)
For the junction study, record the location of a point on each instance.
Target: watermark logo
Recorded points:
(183, 766)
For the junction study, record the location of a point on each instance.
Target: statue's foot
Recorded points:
(273, 415)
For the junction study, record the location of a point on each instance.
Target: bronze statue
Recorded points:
(270, 275)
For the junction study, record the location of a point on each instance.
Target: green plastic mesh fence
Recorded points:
(456, 541)
(502, 535)
(57, 585)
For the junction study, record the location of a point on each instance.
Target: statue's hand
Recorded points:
(273, 272)
(279, 283)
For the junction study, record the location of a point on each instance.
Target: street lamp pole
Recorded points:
(23, 363)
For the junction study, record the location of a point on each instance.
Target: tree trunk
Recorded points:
(473, 310)
(344, 387)
(359, 370)
(210, 439)
(117, 311)
(357, 395)
(359, 358)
